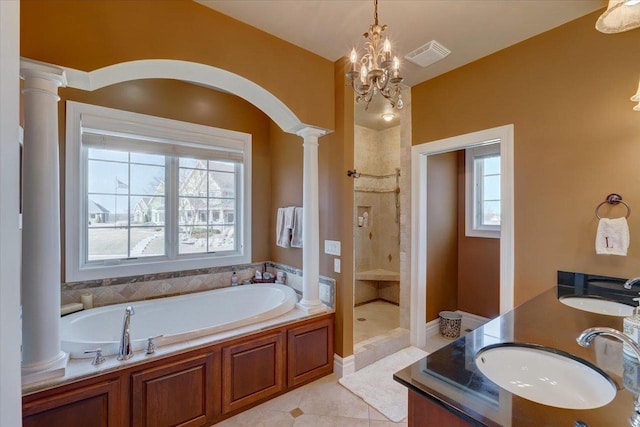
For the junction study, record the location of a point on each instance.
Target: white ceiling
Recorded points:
(471, 29)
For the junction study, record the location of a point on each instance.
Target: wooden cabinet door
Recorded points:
(252, 371)
(184, 393)
(94, 405)
(309, 351)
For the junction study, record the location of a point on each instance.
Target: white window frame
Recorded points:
(472, 202)
(193, 136)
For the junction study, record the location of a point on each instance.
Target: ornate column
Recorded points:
(310, 302)
(42, 356)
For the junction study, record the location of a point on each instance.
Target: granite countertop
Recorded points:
(450, 377)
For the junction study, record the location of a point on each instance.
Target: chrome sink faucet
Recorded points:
(631, 282)
(585, 338)
(125, 351)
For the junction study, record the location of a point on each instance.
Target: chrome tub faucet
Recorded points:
(125, 351)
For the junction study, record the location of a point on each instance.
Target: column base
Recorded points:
(45, 371)
(312, 307)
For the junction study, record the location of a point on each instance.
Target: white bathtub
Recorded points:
(178, 318)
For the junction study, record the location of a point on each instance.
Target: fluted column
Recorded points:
(42, 356)
(310, 302)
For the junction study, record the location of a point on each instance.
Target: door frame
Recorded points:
(419, 208)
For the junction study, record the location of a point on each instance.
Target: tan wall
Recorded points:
(336, 157)
(88, 35)
(286, 189)
(478, 263)
(576, 140)
(175, 100)
(442, 233)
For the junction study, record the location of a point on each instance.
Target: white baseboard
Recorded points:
(343, 366)
(469, 321)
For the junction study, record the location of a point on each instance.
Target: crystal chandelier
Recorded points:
(377, 71)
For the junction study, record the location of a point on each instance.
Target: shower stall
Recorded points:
(376, 223)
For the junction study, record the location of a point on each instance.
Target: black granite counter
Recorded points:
(450, 378)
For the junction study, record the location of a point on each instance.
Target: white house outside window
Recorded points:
(483, 190)
(147, 195)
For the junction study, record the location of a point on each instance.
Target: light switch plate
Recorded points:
(336, 265)
(332, 247)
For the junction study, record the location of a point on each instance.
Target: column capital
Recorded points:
(311, 132)
(31, 68)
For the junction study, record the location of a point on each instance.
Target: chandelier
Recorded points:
(377, 71)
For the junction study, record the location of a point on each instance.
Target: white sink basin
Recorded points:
(547, 376)
(598, 305)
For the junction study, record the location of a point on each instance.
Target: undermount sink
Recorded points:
(597, 305)
(546, 375)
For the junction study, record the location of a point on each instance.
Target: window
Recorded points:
(482, 170)
(147, 195)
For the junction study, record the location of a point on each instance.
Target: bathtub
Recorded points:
(178, 318)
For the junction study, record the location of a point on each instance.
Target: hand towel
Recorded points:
(296, 232)
(612, 237)
(283, 234)
(288, 217)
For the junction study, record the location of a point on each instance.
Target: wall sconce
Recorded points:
(621, 15)
(387, 117)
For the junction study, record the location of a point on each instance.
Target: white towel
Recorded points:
(283, 234)
(612, 237)
(288, 217)
(296, 232)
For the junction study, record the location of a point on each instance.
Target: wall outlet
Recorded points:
(332, 247)
(336, 265)
(325, 293)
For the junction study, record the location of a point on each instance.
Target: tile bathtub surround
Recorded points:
(294, 280)
(137, 288)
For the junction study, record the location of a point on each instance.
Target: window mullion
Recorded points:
(171, 203)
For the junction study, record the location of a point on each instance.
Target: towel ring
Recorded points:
(613, 199)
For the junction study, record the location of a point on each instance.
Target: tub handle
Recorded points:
(151, 345)
(99, 358)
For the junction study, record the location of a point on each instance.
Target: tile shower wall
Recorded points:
(137, 288)
(377, 231)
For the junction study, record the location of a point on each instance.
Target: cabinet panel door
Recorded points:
(310, 351)
(182, 393)
(95, 405)
(252, 371)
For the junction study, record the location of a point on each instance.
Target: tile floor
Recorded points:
(379, 318)
(323, 402)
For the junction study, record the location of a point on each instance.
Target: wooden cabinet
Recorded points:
(309, 351)
(252, 371)
(423, 410)
(184, 393)
(196, 388)
(93, 405)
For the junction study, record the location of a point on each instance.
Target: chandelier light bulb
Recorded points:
(379, 74)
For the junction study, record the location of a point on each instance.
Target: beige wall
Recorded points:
(478, 262)
(577, 139)
(442, 233)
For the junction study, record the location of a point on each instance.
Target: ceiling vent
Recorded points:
(427, 54)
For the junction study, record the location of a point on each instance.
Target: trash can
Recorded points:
(450, 323)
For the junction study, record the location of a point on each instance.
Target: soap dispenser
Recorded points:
(631, 328)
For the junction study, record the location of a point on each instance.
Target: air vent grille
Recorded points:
(427, 54)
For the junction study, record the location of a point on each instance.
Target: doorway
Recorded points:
(420, 206)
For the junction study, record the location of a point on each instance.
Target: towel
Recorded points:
(288, 217)
(296, 232)
(283, 234)
(612, 237)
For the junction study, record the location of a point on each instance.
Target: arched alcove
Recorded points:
(205, 75)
